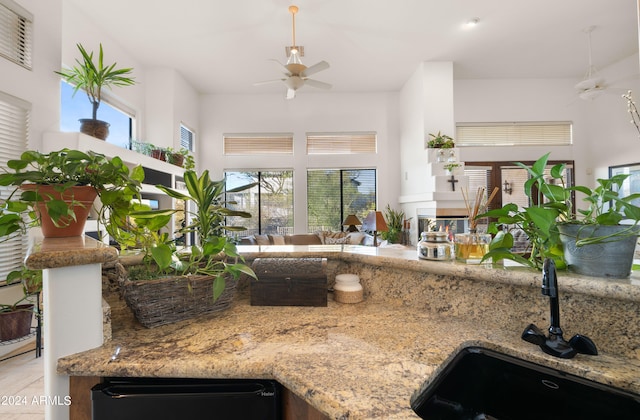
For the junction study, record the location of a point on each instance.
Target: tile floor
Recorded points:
(21, 379)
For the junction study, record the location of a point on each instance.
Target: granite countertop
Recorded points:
(356, 361)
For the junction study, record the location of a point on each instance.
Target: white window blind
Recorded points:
(258, 144)
(14, 130)
(186, 138)
(16, 36)
(514, 134)
(341, 143)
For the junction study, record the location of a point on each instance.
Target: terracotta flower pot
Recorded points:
(158, 154)
(16, 324)
(95, 128)
(80, 198)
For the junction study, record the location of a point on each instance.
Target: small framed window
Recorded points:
(186, 138)
(121, 119)
(16, 33)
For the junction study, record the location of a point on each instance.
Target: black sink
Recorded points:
(483, 384)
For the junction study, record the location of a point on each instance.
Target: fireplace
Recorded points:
(449, 224)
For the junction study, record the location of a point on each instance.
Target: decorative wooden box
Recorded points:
(289, 282)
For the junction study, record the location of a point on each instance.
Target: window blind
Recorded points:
(16, 35)
(14, 131)
(333, 194)
(514, 134)
(341, 143)
(258, 144)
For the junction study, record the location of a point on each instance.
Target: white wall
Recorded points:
(170, 101)
(308, 112)
(38, 86)
(602, 134)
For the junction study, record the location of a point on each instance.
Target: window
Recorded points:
(333, 194)
(258, 144)
(121, 120)
(340, 143)
(496, 174)
(15, 33)
(186, 138)
(14, 131)
(514, 134)
(270, 202)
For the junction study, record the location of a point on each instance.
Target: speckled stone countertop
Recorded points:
(65, 252)
(364, 360)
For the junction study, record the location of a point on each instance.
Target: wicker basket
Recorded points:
(172, 299)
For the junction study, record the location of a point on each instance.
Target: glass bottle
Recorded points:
(471, 247)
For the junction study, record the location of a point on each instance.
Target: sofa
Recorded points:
(316, 238)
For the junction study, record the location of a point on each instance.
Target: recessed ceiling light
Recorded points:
(471, 23)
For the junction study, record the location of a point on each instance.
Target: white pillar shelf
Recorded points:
(73, 315)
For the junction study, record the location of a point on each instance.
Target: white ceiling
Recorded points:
(224, 46)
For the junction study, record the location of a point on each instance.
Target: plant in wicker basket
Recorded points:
(205, 274)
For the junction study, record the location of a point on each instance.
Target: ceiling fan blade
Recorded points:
(266, 82)
(283, 68)
(323, 65)
(291, 93)
(317, 84)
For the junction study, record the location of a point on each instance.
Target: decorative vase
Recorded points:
(471, 247)
(434, 246)
(95, 128)
(609, 260)
(79, 198)
(17, 323)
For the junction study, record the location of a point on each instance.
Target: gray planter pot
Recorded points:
(608, 260)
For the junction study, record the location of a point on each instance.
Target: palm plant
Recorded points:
(92, 77)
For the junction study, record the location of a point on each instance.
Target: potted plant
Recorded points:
(15, 318)
(177, 157)
(395, 223)
(451, 167)
(175, 284)
(92, 77)
(56, 190)
(587, 245)
(440, 141)
(601, 243)
(549, 202)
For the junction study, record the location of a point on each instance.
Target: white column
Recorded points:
(72, 323)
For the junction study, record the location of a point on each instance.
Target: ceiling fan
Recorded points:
(592, 85)
(296, 74)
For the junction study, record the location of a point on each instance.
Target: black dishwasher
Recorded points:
(169, 399)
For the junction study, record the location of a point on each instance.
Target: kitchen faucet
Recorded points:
(555, 344)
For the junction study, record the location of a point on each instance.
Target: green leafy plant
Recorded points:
(114, 182)
(31, 279)
(451, 166)
(395, 223)
(550, 202)
(92, 77)
(607, 208)
(214, 253)
(440, 141)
